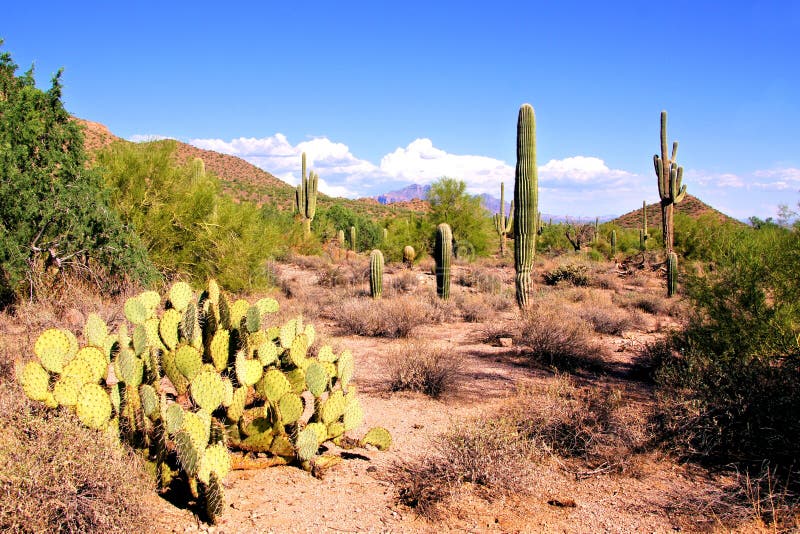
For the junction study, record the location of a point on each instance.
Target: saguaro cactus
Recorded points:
(596, 230)
(442, 253)
(643, 230)
(526, 193)
(305, 199)
(376, 273)
(504, 225)
(340, 238)
(613, 242)
(198, 169)
(672, 274)
(670, 176)
(353, 238)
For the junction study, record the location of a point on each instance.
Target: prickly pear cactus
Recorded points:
(239, 383)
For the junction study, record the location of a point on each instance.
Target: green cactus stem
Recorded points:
(502, 224)
(643, 237)
(305, 200)
(526, 193)
(613, 242)
(353, 239)
(672, 274)
(442, 254)
(340, 238)
(670, 190)
(376, 273)
(596, 230)
(408, 255)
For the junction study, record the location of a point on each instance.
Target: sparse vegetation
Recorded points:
(420, 366)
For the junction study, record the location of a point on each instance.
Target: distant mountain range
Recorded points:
(490, 203)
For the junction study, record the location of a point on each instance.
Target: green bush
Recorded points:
(54, 215)
(731, 389)
(189, 227)
(329, 221)
(471, 224)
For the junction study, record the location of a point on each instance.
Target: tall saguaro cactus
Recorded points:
(643, 230)
(613, 242)
(503, 224)
(376, 274)
(442, 253)
(305, 199)
(672, 274)
(353, 238)
(670, 176)
(526, 200)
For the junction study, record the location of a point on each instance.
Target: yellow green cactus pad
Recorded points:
(150, 401)
(95, 330)
(267, 305)
(311, 333)
(236, 408)
(345, 366)
(316, 378)
(273, 385)
(378, 437)
(35, 381)
(298, 351)
(135, 311)
(326, 354)
(198, 425)
(168, 328)
(81, 371)
(180, 294)
(267, 352)
(131, 368)
(96, 360)
(52, 348)
(189, 361)
(66, 390)
(73, 345)
(219, 347)
(215, 459)
(151, 300)
(282, 446)
(238, 312)
(287, 333)
(290, 408)
(306, 444)
(173, 418)
(353, 415)
(320, 430)
(248, 372)
(207, 390)
(333, 408)
(94, 406)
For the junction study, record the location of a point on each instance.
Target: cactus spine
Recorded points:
(672, 274)
(504, 225)
(442, 253)
(613, 242)
(353, 238)
(526, 193)
(670, 176)
(376, 273)
(305, 199)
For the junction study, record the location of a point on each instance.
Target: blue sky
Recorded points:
(384, 94)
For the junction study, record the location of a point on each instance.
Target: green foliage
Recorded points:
(188, 226)
(54, 215)
(733, 392)
(451, 204)
(329, 221)
(413, 230)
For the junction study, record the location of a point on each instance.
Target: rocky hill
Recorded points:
(691, 205)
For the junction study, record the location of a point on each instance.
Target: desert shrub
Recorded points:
(328, 221)
(451, 204)
(606, 281)
(57, 476)
(572, 273)
(474, 308)
(55, 217)
(189, 227)
(404, 282)
(652, 304)
(481, 279)
(413, 229)
(730, 392)
(554, 336)
(420, 366)
(440, 310)
(607, 320)
(488, 454)
(585, 425)
(390, 318)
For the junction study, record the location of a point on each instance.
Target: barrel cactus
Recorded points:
(376, 274)
(526, 193)
(409, 254)
(442, 254)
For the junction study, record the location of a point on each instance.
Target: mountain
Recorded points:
(243, 180)
(691, 205)
(412, 192)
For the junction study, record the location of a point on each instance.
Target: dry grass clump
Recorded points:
(418, 366)
(309, 263)
(441, 311)
(587, 427)
(651, 304)
(391, 318)
(607, 320)
(606, 281)
(57, 476)
(572, 273)
(480, 279)
(489, 455)
(555, 337)
(474, 308)
(404, 282)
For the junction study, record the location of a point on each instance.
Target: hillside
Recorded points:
(245, 181)
(691, 206)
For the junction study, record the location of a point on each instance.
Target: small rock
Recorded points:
(506, 341)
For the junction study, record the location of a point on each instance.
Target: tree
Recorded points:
(451, 204)
(54, 215)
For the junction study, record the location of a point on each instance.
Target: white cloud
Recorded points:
(710, 179)
(582, 170)
(147, 138)
(778, 179)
